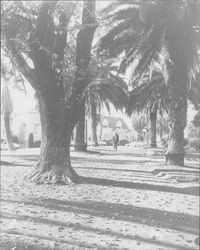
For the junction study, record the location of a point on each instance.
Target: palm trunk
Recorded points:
(80, 144)
(8, 132)
(153, 118)
(161, 129)
(94, 124)
(177, 123)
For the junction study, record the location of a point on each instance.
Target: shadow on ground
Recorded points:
(147, 216)
(127, 213)
(143, 186)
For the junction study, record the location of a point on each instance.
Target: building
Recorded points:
(109, 125)
(27, 123)
(23, 124)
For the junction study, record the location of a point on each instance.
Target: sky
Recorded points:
(100, 4)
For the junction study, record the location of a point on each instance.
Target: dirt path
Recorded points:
(139, 203)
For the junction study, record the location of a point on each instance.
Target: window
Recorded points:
(119, 124)
(105, 123)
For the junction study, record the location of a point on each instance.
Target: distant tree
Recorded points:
(139, 122)
(35, 35)
(6, 107)
(106, 87)
(80, 143)
(30, 140)
(149, 93)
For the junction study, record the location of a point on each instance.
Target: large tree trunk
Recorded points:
(94, 124)
(54, 163)
(59, 117)
(153, 118)
(177, 107)
(7, 131)
(80, 144)
(177, 123)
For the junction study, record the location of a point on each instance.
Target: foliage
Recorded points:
(105, 85)
(154, 31)
(47, 27)
(148, 93)
(139, 122)
(123, 142)
(195, 143)
(162, 121)
(196, 120)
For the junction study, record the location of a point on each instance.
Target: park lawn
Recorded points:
(128, 200)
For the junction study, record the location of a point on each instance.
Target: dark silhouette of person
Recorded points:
(115, 141)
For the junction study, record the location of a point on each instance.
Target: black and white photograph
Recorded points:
(100, 125)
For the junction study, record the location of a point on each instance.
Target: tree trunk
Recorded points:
(58, 115)
(94, 124)
(161, 129)
(153, 118)
(54, 163)
(8, 132)
(80, 144)
(177, 123)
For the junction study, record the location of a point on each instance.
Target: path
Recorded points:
(139, 203)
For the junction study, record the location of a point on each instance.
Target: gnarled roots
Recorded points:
(51, 175)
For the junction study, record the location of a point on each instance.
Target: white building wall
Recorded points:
(24, 124)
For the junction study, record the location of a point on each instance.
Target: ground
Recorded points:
(131, 200)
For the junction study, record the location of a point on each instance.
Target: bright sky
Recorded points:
(23, 102)
(100, 4)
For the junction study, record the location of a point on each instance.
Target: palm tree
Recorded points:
(6, 108)
(106, 88)
(149, 94)
(80, 143)
(139, 122)
(162, 31)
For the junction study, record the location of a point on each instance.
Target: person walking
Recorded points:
(115, 141)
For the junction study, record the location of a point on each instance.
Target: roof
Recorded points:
(113, 122)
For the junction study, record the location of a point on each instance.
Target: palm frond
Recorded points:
(147, 94)
(128, 13)
(105, 42)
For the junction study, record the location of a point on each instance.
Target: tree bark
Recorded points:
(177, 123)
(94, 124)
(80, 144)
(161, 129)
(153, 118)
(8, 132)
(54, 163)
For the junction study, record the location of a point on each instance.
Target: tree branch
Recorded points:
(83, 54)
(19, 61)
